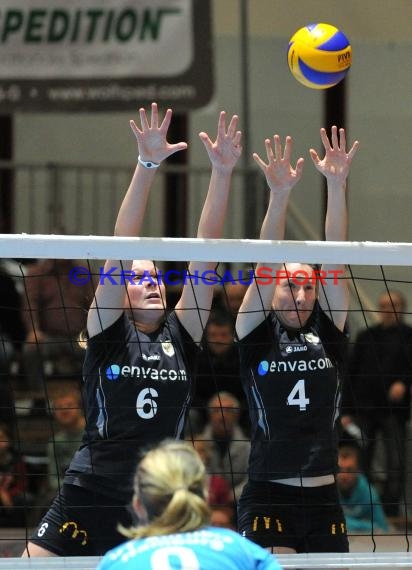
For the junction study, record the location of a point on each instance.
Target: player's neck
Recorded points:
(147, 327)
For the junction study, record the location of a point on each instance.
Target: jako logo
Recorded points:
(263, 368)
(113, 372)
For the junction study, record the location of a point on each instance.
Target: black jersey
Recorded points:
(292, 380)
(137, 389)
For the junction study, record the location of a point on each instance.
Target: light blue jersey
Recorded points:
(206, 549)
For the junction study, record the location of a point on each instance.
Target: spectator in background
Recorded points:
(218, 366)
(68, 432)
(377, 393)
(219, 334)
(359, 499)
(14, 497)
(221, 518)
(219, 493)
(54, 312)
(229, 445)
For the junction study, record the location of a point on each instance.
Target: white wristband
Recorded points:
(148, 163)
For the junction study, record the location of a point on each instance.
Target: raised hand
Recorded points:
(280, 174)
(336, 163)
(151, 138)
(225, 151)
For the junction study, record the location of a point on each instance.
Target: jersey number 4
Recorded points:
(297, 396)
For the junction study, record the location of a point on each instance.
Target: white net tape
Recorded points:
(319, 561)
(186, 249)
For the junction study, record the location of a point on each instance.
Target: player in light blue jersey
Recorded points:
(170, 502)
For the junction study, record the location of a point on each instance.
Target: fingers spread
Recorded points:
(155, 116)
(166, 121)
(231, 130)
(204, 137)
(353, 150)
(278, 147)
(259, 161)
(325, 139)
(143, 119)
(135, 128)
(335, 142)
(299, 167)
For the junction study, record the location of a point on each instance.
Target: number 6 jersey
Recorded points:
(137, 389)
(292, 380)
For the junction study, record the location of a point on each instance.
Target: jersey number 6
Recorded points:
(146, 406)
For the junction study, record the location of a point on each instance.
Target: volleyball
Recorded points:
(319, 55)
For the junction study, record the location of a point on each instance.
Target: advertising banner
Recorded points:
(102, 55)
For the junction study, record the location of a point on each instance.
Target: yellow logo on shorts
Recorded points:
(71, 525)
(267, 523)
(338, 528)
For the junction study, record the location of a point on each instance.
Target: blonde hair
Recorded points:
(170, 484)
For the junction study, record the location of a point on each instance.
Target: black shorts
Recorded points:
(81, 522)
(307, 519)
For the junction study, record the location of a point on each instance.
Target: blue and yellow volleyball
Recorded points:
(319, 55)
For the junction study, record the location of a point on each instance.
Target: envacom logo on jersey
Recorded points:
(115, 373)
(301, 365)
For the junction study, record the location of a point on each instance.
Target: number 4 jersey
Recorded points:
(137, 390)
(292, 381)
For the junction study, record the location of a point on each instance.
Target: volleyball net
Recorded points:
(42, 372)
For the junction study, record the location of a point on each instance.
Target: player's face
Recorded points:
(145, 295)
(294, 299)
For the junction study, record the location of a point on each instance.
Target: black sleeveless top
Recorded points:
(137, 390)
(292, 380)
